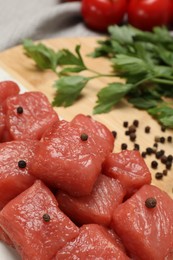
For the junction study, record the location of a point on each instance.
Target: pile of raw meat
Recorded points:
(64, 194)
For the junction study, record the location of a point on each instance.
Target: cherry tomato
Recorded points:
(71, 0)
(145, 14)
(99, 14)
(172, 13)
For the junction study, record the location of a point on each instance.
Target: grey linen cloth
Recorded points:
(35, 19)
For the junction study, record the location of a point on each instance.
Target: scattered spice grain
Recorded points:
(143, 154)
(154, 164)
(132, 129)
(127, 132)
(159, 175)
(19, 110)
(132, 137)
(123, 146)
(163, 128)
(162, 139)
(46, 217)
(157, 139)
(22, 164)
(84, 137)
(163, 159)
(136, 147)
(168, 165)
(136, 122)
(151, 203)
(165, 172)
(169, 139)
(125, 124)
(149, 150)
(114, 133)
(147, 129)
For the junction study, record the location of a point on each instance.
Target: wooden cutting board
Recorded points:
(24, 70)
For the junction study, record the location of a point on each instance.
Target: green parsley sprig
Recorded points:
(143, 59)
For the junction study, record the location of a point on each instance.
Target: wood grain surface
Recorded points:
(15, 62)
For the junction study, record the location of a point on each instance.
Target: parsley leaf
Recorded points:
(68, 90)
(110, 96)
(143, 59)
(44, 57)
(163, 113)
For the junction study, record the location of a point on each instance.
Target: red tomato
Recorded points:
(145, 14)
(99, 14)
(172, 13)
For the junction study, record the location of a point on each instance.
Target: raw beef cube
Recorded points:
(35, 224)
(14, 176)
(5, 238)
(117, 240)
(2, 122)
(129, 168)
(93, 242)
(7, 89)
(64, 160)
(100, 132)
(144, 223)
(28, 115)
(96, 207)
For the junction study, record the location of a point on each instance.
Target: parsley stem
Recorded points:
(100, 74)
(163, 81)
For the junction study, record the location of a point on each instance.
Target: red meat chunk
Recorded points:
(96, 207)
(103, 136)
(147, 233)
(7, 89)
(35, 224)
(66, 161)
(129, 168)
(28, 115)
(5, 238)
(2, 122)
(14, 179)
(93, 242)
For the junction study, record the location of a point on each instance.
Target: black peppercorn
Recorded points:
(125, 124)
(19, 110)
(154, 164)
(159, 175)
(46, 217)
(165, 172)
(157, 139)
(169, 139)
(159, 154)
(163, 128)
(114, 133)
(123, 146)
(22, 164)
(136, 147)
(169, 158)
(162, 140)
(168, 165)
(155, 145)
(151, 203)
(149, 150)
(147, 129)
(132, 129)
(164, 159)
(132, 137)
(143, 154)
(136, 122)
(127, 132)
(84, 137)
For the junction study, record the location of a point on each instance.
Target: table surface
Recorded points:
(23, 69)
